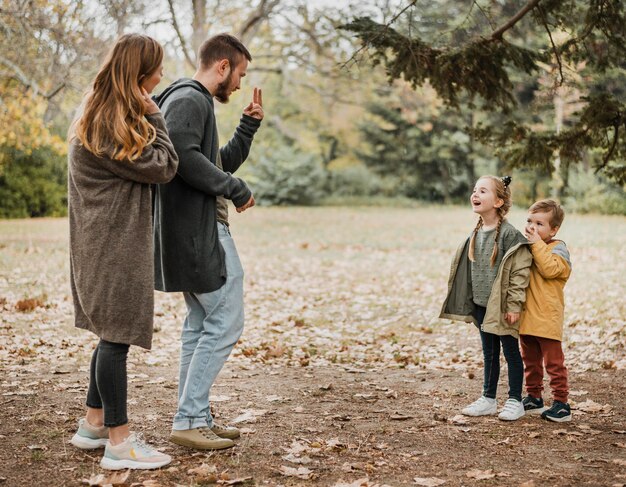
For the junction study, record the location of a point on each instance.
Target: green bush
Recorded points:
(285, 176)
(354, 181)
(591, 193)
(32, 185)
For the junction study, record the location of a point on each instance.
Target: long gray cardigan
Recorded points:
(188, 255)
(111, 243)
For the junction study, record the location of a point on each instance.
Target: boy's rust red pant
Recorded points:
(537, 352)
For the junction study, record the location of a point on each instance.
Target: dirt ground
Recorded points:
(344, 376)
(346, 427)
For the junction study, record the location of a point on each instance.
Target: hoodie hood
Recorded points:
(179, 84)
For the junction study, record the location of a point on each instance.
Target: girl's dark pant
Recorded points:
(491, 354)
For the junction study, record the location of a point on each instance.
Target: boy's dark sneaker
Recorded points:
(533, 405)
(559, 412)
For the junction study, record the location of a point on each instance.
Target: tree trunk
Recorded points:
(198, 24)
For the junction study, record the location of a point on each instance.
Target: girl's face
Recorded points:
(484, 198)
(152, 80)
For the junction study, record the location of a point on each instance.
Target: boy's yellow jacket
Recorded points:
(507, 294)
(544, 307)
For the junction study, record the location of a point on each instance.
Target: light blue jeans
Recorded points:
(213, 324)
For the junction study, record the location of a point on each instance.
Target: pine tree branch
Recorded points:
(382, 32)
(497, 35)
(181, 38)
(484, 13)
(609, 154)
(554, 48)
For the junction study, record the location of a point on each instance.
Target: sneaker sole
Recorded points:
(88, 443)
(229, 436)
(201, 446)
(110, 464)
(558, 420)
(475, 415)
(536, 410)
(510, 419)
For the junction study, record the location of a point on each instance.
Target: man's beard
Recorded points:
(222, 92)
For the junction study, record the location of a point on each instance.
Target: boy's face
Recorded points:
(538, 227)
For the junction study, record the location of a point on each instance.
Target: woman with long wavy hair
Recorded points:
(119, 146)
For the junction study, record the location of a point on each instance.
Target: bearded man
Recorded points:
(194, 251)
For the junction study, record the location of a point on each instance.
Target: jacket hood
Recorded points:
(177, 85)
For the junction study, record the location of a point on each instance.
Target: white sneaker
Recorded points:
(133, 452)
(512, 410)
(483, 406)
(89, 437)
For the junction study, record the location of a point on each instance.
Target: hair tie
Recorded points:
(506, 180)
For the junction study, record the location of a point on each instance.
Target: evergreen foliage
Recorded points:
(429, 159)
(483, 66)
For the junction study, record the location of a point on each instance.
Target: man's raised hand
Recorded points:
(255, 108)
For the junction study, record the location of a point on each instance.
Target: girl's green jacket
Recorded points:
(507, 294)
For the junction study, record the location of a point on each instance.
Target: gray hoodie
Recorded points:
(188, 255)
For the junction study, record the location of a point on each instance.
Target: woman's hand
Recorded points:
(150, 106)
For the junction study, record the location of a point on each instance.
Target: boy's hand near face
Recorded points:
(532, 235)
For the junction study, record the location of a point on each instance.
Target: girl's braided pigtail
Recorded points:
(472, 244)
(494, 253)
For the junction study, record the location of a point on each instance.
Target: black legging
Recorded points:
(491, 355)
(108, 382)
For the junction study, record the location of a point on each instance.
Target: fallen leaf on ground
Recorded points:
(296, 448)
(428, 481)
(220, 398)
(590, 406)
(480, 474)
(152, 483)
(458, 419)
(399, 417)
(249, 416)
(364, 482)
(241, 480)
(203, 469)
(115, 478)
(298, 460)
(300, 472)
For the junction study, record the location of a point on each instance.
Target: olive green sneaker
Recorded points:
(200, 439)
(223, 431)
(89, 437)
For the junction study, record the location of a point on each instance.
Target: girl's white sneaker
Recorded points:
(512, 410)
(483, 406)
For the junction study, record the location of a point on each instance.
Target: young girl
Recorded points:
(118, 147)
(489, 276)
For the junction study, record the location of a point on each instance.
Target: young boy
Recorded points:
(541, 326)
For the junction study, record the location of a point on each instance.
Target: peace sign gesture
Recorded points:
(255, 108)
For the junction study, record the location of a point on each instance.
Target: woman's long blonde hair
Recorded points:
(503, 192)
(112, 121)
